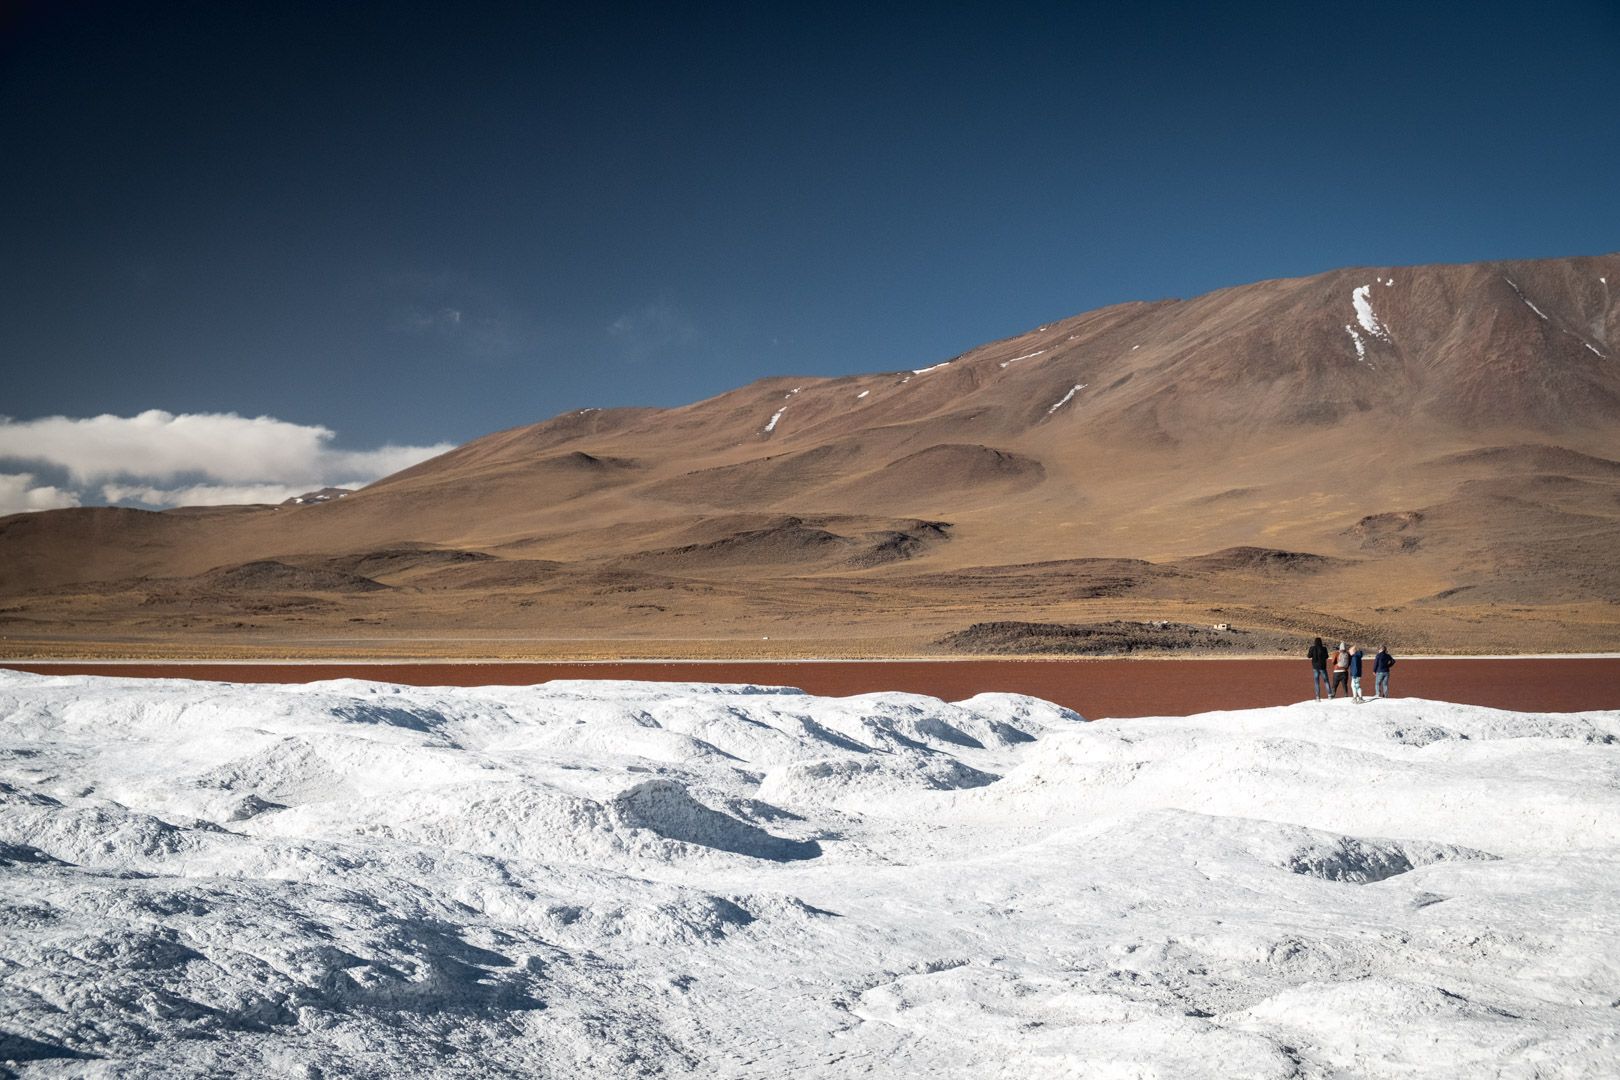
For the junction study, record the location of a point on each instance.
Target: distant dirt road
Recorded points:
(1094, 688)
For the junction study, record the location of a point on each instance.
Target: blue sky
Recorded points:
(414, 224)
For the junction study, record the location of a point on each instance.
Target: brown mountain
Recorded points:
(1430, 453)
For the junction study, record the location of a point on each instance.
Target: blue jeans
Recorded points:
(1381, 680)
(1355, 686)
(1319, 683)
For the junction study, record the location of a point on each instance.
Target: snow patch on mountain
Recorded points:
(1361, 300)
(1026, 356)
(1360, 346)
(1066, 398)
(1542, 315)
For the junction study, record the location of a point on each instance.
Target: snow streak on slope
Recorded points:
(634, 879)
(1361, 300)
(1026, 356)
(1355, 338)
(1066, 398)
(1542, 315)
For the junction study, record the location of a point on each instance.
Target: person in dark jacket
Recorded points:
(1356, 656)
(1341, 670)
(1317, 654)
(1381, 665)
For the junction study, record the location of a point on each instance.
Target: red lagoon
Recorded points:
(1094, 688)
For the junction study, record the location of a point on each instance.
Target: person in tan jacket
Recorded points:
(1341, 671)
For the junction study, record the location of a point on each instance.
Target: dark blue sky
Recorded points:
(425, 222)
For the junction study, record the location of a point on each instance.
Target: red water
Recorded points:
(1094, 688)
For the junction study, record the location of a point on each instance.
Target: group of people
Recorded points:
(1345, 664)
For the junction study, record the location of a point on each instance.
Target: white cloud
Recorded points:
(652, 329)
(200, 494)
(225, 447)
(422, 322)
(18, 495)
(454, 315)
(168, 459)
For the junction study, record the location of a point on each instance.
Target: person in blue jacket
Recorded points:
(1356, 656)
(1381, 665)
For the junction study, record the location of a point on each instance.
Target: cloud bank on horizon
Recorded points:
(162, 459)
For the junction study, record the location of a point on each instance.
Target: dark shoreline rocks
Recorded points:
(1111, 638)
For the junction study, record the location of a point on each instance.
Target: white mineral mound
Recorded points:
(641, 879)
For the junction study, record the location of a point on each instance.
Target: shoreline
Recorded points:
(974, 658)
(1092, 686)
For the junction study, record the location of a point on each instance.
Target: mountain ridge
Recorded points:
(1281, 415)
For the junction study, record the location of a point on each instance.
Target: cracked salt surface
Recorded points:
(604, 879)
